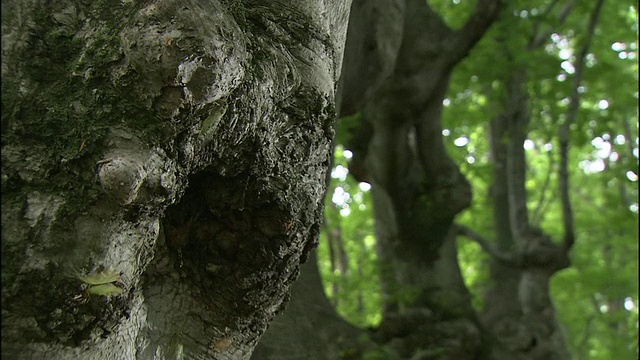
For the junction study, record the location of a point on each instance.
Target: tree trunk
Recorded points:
(397, 74)
(309, 328)
(163, 166)
(528, 328)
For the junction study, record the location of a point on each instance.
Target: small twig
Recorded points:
(503, 257)
(539, 36)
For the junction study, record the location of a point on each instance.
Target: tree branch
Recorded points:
(536, 218)
(540, 36)
(503, 257)
(517, 122)
(484, 14)
(563, 132)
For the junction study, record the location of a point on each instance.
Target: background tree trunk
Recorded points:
(417, 189)
(309, 328)
(182, 144)
(400, 56)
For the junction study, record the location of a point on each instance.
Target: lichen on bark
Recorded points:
(103, 132)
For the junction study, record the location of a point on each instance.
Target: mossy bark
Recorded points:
(183, 144)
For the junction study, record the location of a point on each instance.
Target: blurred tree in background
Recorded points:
(574, 66)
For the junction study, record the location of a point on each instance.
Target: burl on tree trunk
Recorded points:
(163, 167)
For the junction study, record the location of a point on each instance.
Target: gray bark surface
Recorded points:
(309, 328)
(183, 144)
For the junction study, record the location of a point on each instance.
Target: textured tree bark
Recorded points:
(182, 144)
(310, 328)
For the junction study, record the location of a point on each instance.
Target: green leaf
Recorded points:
(212, 121)
(103, 277)
(105, 290)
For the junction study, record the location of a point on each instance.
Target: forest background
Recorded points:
(597, 297)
